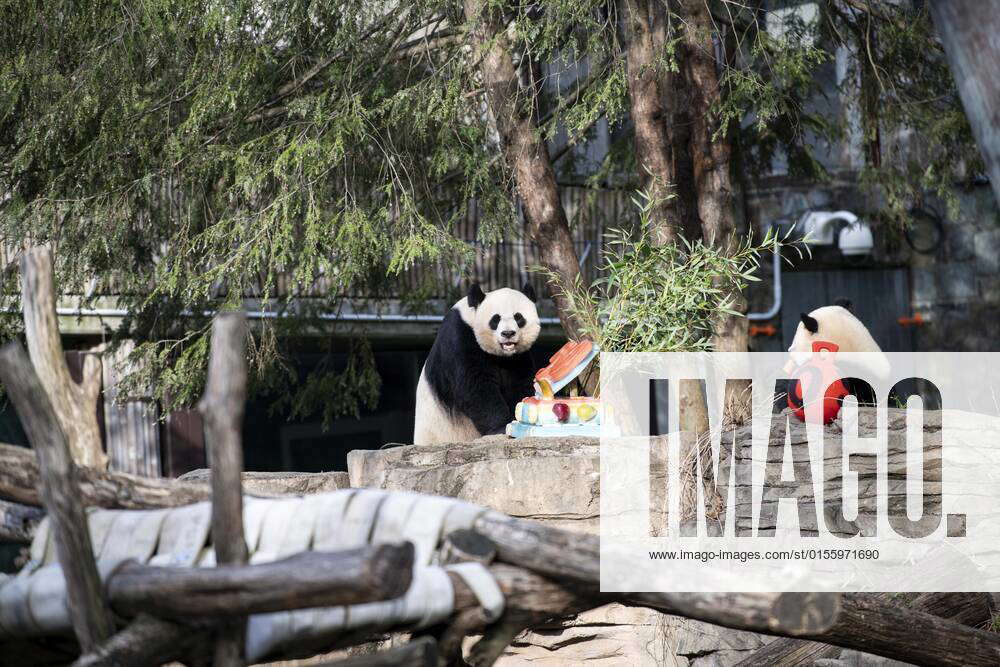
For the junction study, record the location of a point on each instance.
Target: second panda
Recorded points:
(479, 367)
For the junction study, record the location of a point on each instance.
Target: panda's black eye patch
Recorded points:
(519, 318)
(494, 322)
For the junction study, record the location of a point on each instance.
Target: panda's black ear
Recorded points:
(812, 326)
(529, 291)
(844, 303)
(476, 295)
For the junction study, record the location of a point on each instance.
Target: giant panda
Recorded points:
(479, 367)
(837, 324)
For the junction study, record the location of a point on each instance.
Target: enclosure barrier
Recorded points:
(194, 570)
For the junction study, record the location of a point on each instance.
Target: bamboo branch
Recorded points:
(222, 409)
(75, 405)
(89, 612)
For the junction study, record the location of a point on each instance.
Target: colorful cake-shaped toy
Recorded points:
(547, 414)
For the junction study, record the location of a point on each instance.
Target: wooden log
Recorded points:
(146, 641)
(18, 522)
(880, 627)
(89, 612)
(308, 579)
(463, 545)
(421, 652)
(222, 409)
(20, 482)
(789, 614)
(550, 551)
(972, 609)
(563, 555)
(75, 405)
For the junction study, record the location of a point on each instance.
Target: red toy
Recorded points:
(811, 378)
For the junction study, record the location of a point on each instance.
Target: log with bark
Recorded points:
(222, 409)
(971, 609)
(20, 482)
(18, 522)
(91, 617)
(307, 579)
(75, 405)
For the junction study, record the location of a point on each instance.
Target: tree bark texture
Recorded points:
(526, 154)
(711, 157)
(307, 579)
(970, 30)
(18, 522)
(222, 409)
(75, 404)
(971, 609)
(20, 481)
(645, 29)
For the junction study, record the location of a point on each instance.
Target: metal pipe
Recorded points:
(776, 306)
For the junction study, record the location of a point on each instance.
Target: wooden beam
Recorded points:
(880, 627)
(18, 522)
(146, 641)
(307, 579)
(972, 609)
(788, 614)
(555, 553)
(222, 409)
(75, 405)
(20, 481)
(89, 612)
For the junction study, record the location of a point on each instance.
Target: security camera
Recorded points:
(851, 235)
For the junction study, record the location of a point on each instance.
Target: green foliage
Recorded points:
(660, 298)
(186, 156)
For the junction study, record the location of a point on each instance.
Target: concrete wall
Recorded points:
(955, 287)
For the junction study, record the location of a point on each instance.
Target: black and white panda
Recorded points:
(479, 367)
(837, 324)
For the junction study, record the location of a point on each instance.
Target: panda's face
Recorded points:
(505, 322)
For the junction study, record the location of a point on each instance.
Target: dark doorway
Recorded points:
(880, 298)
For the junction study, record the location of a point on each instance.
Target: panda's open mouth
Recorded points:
(508, 346)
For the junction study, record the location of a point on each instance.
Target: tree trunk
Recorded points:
(970, 31)
(711, 160)
(527, 155)
(75, 404)
(657, 157)
(646, 35)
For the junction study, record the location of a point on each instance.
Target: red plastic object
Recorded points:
(561, 411)
(811, 378)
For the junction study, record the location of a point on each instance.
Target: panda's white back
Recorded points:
(839, 326)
